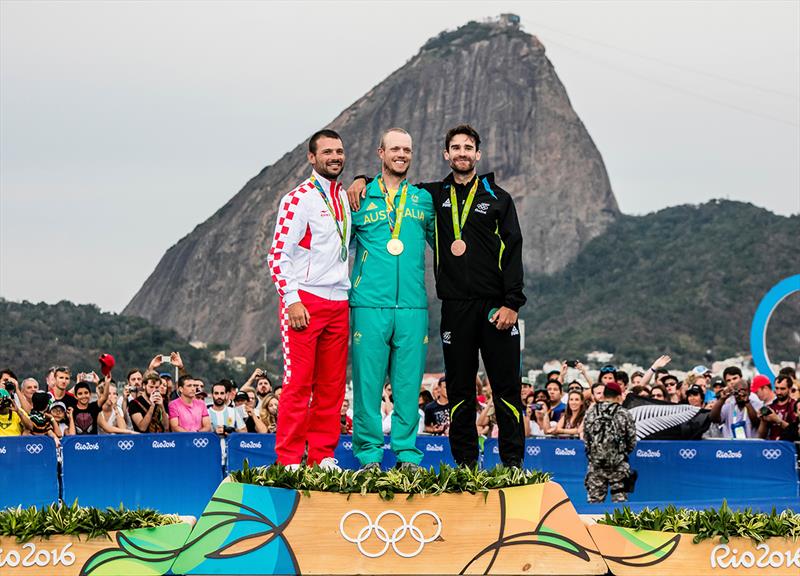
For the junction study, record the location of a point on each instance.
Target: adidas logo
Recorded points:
(425, 340)
(446, 203)
(357, 337)
(514, 331)
(445, 337)
(372, 206)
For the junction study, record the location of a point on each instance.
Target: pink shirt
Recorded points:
(190, 417)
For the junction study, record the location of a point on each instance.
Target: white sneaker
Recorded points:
(330, 464)
(292, 467)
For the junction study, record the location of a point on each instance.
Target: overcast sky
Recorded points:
(123, 125)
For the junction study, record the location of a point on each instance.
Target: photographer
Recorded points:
(734, 410)
(147, 411)
(224, 419)
(779, 414)
(10, 421)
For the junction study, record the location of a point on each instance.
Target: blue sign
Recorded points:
(259, 449)
(172, 473)
(28, 471)
(758, 330)
(675, 471)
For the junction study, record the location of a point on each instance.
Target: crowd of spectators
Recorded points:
(153, 401)
(148, 401)
(737, 408)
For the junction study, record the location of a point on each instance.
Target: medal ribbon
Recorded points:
(342, 235)
(458, 223)
(394, 227)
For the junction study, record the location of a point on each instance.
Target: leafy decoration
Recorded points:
(387, 484)
(61, 519)
(723, 523)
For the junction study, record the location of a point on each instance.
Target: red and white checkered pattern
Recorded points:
(306, 246)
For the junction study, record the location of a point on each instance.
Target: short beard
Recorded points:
(219, 402)
(394, 172)
(322, 171)
(457, 171)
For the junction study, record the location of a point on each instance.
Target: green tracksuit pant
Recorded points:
(393, 341)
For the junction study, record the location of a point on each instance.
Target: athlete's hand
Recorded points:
(357, 191)
(298, 316)
(504, 318)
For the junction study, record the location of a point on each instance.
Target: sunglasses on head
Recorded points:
(607, 369)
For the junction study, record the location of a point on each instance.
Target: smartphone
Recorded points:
(571, 363)
(765, 410)
(164, 358)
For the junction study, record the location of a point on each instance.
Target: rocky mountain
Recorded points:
(213, 284)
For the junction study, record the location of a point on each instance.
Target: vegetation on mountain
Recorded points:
(684, 281)
(34, 337)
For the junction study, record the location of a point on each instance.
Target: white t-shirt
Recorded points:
(228, 416)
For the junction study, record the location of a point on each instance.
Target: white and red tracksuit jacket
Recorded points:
(306, 247)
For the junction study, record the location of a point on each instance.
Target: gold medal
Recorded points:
(458, 247)
(395, 246)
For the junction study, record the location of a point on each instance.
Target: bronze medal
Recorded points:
(458, 247)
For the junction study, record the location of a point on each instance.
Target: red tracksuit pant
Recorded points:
(314, 363)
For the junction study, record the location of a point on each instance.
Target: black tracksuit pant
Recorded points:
(465, 330)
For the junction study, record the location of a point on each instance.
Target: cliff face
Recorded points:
(213, 285)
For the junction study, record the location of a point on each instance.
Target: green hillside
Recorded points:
(679, 281)
(34, 337)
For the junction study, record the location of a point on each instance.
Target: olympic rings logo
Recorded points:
(397, 535)
(34, 448)
(347, 445)
(687, 453)
(533, 450)
(125, 444)
(771, 454)
(200, 442)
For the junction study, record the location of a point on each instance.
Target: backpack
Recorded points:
(607, 449)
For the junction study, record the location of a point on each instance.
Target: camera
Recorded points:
(538, 406)
(572, 363)
(228, 429)
(10, 386)
(765, 410)
(164, 358)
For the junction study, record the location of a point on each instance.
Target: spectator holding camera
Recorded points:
(269, 413)
(734, 408)
(10, 421)
(224, 419)
(39, 422)
(111, 420)
(555, 406)
(250, 412)
(778, 414)
(147, 410)
(187, 413)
